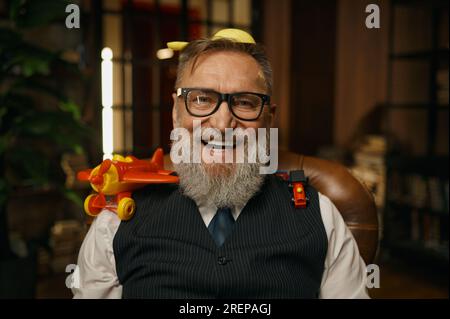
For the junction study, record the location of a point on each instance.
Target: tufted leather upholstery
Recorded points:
(351, 198)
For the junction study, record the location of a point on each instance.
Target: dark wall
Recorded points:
(312, 75)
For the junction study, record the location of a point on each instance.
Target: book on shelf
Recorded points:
(369, 166)
(373, 181)
(417, 195)
(435, 231)
(418, 214)
(65, 241)
(436, 194)
(415, 225)
(427, 229)
(419, 191)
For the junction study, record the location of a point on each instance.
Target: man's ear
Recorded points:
(272, 114)
(174, 111)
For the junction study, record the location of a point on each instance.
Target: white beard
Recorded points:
(220, 184)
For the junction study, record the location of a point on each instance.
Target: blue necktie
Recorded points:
(221, 225)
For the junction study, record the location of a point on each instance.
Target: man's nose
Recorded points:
(223, 118)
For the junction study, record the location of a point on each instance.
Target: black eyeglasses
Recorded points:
(246, 106)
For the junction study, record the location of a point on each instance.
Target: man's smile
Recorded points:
(219, 145)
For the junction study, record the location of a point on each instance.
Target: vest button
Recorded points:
(222, 260)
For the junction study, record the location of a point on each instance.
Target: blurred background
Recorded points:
(375, 100)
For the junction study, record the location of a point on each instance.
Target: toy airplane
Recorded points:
(118, 178)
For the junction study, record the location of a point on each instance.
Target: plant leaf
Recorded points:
(71, 107)
(29, 165)
(30, 13)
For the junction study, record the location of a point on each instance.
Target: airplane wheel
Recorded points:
(126, 208)
(91, 211)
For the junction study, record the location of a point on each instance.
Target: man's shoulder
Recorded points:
(325, 201)
(155, 190)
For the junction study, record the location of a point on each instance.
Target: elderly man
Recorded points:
(226, 231)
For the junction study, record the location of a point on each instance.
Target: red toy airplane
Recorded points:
(119, 177)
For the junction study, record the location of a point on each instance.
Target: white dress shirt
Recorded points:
(344, 273)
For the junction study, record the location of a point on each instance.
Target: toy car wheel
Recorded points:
(126, 208)
(91, 211)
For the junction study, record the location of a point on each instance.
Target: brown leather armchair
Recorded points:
(351, 198)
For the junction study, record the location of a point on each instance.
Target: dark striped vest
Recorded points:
(274, 251)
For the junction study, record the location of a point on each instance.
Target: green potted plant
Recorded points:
(38, 122)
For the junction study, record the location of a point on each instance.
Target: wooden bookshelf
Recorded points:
(416, 213)
(406, 208)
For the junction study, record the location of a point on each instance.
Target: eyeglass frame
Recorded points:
(183, 92)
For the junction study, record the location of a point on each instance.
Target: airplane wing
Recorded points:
(164, 172)
(149, 178)
(84, 175)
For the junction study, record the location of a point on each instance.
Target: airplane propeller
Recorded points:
(97, 179)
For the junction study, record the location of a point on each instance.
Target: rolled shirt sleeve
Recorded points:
(345, 274)
(96, 267)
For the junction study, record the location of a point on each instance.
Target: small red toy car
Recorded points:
(297, 182)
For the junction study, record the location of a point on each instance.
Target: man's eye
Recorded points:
(245, 103)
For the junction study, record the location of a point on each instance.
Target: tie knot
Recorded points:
(224, 211)
(221, 225)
